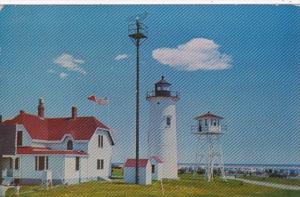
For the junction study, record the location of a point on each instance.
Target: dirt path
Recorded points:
(268, 184)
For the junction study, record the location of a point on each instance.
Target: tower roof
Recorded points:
(163, 81)
(208, 115)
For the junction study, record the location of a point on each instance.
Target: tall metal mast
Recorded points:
(137, 32)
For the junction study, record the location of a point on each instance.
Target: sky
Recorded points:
(240, 62)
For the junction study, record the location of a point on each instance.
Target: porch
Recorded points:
(10, 166)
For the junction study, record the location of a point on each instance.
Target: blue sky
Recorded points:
(244, 66)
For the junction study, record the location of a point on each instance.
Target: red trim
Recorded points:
(41, 150)
(157, 159)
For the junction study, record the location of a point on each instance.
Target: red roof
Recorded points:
(131, 163)
(47, 151)
(53, 129)
(208, 115)
(157, 159)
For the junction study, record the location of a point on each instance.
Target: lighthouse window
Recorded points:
(166, 88)
(169, 121)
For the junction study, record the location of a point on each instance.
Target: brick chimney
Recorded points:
(41, 108)
(74, 112)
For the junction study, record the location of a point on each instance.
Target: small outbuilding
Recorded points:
(145, 177)
(156, 168)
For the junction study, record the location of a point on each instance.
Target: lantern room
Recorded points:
(208, 122)
(162, 89)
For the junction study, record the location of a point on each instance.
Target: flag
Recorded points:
(92, 98)
(101, 101)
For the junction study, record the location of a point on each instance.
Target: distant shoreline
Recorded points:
(234, 165)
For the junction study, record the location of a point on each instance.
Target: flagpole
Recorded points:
(108, 112)
(95, 109)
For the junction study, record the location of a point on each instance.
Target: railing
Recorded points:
(212, 129)
(173, 94)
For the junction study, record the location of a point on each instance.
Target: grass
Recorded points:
(184, 187)
(284, 181)
(117, 172)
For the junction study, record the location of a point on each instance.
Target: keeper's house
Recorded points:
(68, 150)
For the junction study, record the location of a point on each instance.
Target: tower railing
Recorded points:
(208, 129)
(173, 94)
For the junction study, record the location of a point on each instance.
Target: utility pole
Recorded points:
(137, 33)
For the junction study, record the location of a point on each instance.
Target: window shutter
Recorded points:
(17, 164)
(98, 164)
(77, 163)
(102, 164)
(47, 164)
(36, 163)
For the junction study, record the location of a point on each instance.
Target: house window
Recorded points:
(17, 164)
(205, 122)
(77, 165)
(168, 121)
(153, 168)
(100, 141)
(70, 145)
(41, 163)
(19, 138)
(100, 164)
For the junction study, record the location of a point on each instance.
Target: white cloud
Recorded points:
(51, 71)
(121, 57)
(62, 75)
(70, 63)
(197, 54)
(1, 7)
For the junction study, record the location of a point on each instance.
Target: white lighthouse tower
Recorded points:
(162, 127)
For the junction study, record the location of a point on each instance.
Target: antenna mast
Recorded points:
(137, 32)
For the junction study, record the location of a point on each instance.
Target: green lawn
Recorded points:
(274, 180)
(117, 172)
(185, 186)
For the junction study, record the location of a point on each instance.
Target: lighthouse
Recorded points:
(162, 140)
